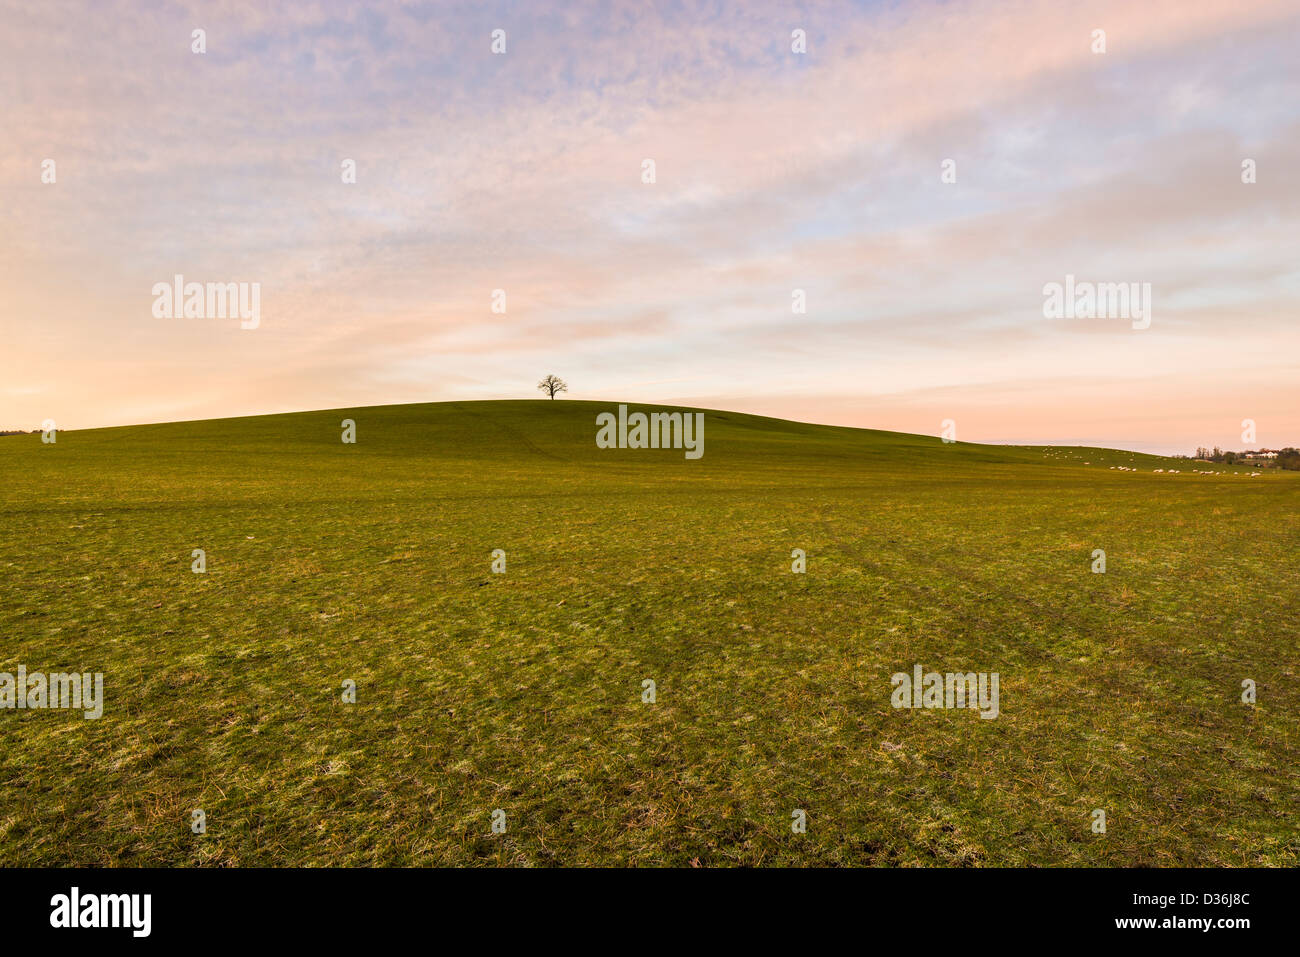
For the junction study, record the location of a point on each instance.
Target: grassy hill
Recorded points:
(522, 691)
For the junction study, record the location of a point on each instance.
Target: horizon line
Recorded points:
(387, 405)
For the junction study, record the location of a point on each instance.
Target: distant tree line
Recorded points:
(1288, 458)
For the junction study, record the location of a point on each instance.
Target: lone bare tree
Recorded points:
(552, 384)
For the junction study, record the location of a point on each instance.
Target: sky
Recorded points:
(774, 171)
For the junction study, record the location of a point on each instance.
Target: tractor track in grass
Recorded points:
(510, 431)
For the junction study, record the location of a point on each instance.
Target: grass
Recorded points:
(522, 691)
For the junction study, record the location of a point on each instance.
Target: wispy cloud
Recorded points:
(775, 171)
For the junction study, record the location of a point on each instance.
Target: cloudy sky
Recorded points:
(774, 171)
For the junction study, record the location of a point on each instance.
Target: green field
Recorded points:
(523, 691)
